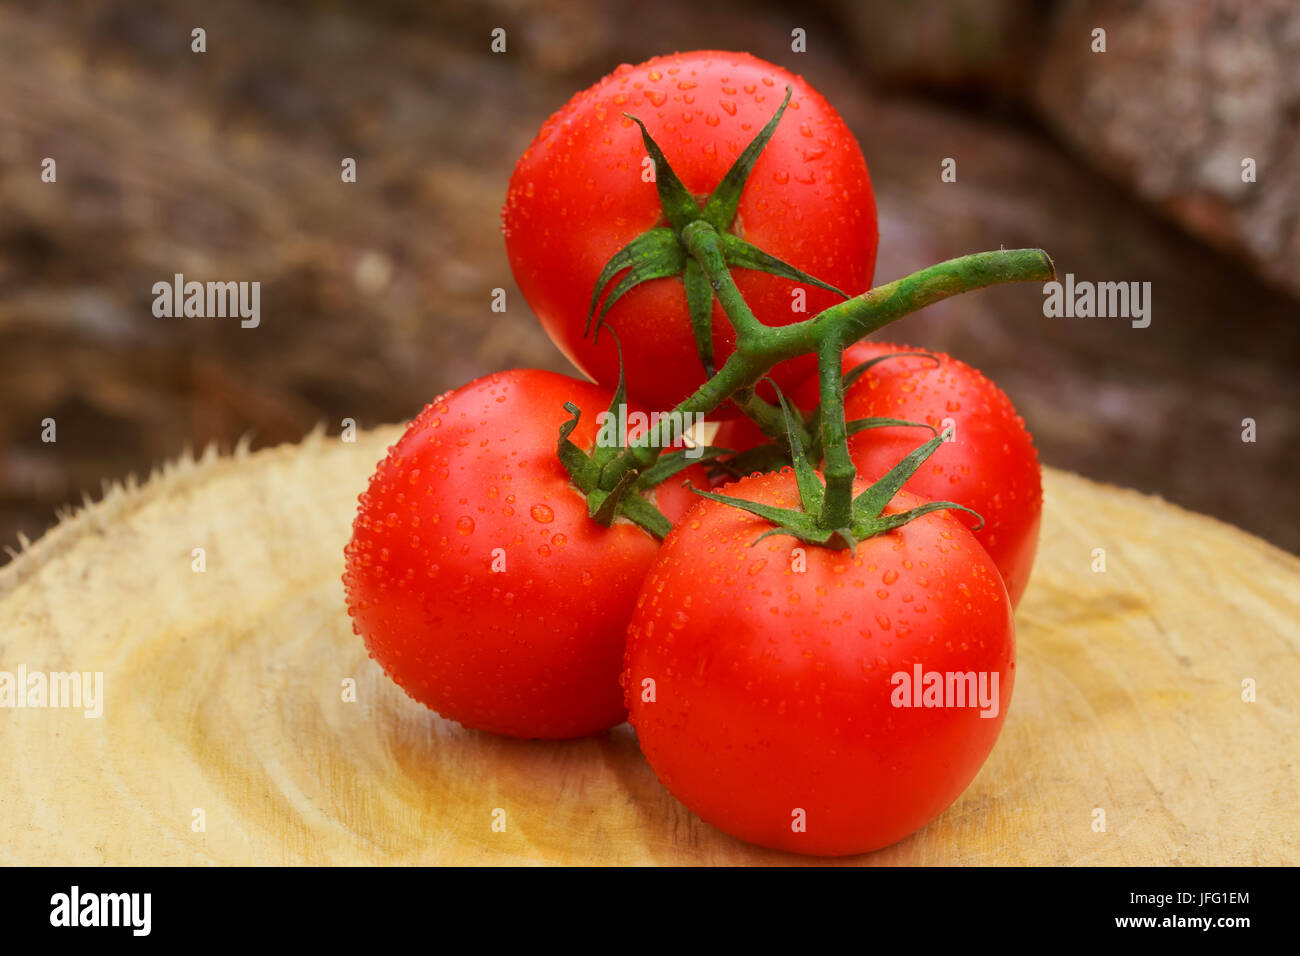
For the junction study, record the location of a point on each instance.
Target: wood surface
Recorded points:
(223, 692)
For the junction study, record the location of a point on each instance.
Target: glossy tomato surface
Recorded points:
(475, 575)
(991, 466)
(762, 679)
(578, 196)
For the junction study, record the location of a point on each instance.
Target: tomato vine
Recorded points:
(695, 245)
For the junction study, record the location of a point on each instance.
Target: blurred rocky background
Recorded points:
(1125, 165)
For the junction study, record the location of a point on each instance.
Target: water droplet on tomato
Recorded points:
(465, 525)
(542, 513)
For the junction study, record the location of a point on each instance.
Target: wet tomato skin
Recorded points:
(771, 688)
(534, 647)
(991, 466)
(578, 196)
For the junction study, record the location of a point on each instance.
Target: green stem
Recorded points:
(737, 372)
(839, 471)
(858, 317)
(701, 241)
(759, 347)
(768, 417)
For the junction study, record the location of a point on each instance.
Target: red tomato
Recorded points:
(991, 466)
(739, 434)
(775, 695)
(577, 197)
(475, 575)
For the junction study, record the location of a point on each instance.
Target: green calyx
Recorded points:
(694, 241)
(626, 494)
(777, 426)
(759, 348)
(816, 522)
(664, 251)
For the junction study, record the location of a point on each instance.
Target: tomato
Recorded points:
(577, 196)
(991, 466)
(475, 575)
(738, 433)
(775, 695)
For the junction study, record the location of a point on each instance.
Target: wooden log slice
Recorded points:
(223, 692)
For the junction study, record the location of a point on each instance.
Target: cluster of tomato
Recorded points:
(760, 672)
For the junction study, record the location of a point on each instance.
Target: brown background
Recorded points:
(376, 295)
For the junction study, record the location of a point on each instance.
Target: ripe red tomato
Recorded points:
(775, 696)
(739, 433)
(991, 466)
(475, 575)
(577, 197)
